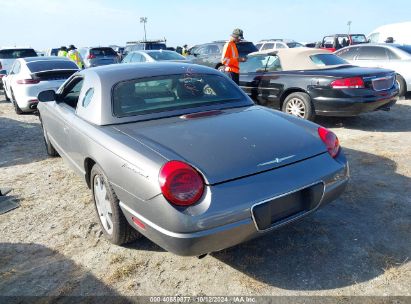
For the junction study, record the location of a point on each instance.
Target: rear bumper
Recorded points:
(354, 105)
(227, 235)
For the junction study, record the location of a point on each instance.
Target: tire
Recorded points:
(114, 225)
(49, 147)
(402, 86)
(299, 104)
(15, 105)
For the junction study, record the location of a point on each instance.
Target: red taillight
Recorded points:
(91, 56)
(348, 83)
(330, 140)
(180, 183)
(28, 81)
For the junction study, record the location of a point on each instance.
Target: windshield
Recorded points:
(294, 45)
(17, 53)
(358, 39)
(38, 66)
(164, 55)
(327, 59)
(405, 48)
(172, 92)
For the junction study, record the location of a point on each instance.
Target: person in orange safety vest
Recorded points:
(230, 58)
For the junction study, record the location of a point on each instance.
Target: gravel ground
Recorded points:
(358, 245)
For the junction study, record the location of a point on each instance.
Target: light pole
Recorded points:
(349, 27)
(144, 21)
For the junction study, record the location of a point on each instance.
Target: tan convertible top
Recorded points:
(298, 58)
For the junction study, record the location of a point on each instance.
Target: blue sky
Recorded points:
(52, 23)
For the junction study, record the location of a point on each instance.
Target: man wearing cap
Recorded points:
(230, 57)
(74, 55)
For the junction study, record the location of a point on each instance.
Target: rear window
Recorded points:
(17, 53)
(327, 59)
(405, 48)
(246, 48)
(172, 92)
(103, 52)
(39, 66)
(166, 55)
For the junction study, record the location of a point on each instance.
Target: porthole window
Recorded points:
(87, 97)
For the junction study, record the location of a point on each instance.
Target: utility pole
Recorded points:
(144, 21)
(349, 27)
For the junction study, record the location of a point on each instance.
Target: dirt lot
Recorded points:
(358, 245)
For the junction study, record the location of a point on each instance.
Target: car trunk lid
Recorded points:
(229, 144)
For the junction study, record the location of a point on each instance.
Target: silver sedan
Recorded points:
(390, 56)
(179, 154)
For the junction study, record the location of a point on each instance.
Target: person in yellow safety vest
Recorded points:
(62, 52)
(74, 55)
(230, 58)
(184, 51)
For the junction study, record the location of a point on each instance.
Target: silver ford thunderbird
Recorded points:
(179, 154)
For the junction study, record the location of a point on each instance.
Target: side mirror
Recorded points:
(46, 96)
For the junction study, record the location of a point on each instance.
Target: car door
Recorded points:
(251, 73)
(272, 83)
(61, 117)
(199, 55)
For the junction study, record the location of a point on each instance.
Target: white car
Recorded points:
(275, 44)
(9, 55)
(389, 56)
(29, 76)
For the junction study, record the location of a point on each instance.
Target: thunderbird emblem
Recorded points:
(276, 161)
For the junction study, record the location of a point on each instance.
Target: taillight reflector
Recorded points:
(91, 56)
(138, 222)
(180, 183)
(330, 140)
(28, 81)
(348, 83)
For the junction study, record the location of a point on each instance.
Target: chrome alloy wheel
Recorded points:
(296, 107)
(103, 204)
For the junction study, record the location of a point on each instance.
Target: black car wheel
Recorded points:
(402, 86)
(15, 105)
(112, 220)
(5, 95)
(299, 104)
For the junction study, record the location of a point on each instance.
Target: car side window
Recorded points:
(213, 49)
(87, 97)
(280, 45)
(127, 59)
(258, 45)
(71, 92)
(348, 53)
(201, 50)
(273, 64)
(268, 46)
(254, 64)
(16, 68)
(372, 53)
(392, 55)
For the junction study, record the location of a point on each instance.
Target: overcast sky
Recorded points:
(52, 23)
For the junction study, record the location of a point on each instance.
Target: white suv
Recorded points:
(9, 55)
(275, 44)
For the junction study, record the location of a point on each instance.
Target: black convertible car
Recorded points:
(307, 82)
